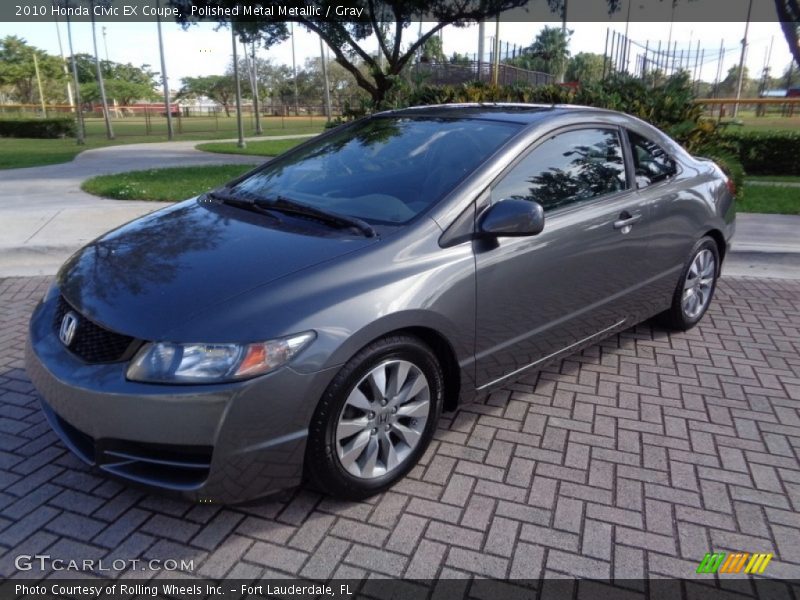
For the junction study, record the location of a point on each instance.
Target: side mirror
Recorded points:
(512, 218)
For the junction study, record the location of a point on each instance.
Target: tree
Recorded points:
(219, 88)
(727, 87)
(585, 67)
(311, 82)
(123, 91)
(432, 50)
(124, 82)
(387, 20)
(18, 73)
(549, 52)
(458, 58)
(790, 78)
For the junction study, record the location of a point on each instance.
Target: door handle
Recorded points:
(625, 221)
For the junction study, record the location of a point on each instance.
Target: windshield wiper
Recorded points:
(226, 197)
(288, 206)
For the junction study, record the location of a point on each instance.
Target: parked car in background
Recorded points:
(313, 317)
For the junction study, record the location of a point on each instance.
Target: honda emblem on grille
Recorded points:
(68, 326)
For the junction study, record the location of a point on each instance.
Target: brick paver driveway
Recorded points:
(630, 460)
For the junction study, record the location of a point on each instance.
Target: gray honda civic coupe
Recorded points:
(312, 318)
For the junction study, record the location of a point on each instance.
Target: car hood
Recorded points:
(156, 272)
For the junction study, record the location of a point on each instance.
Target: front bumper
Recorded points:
(220, 443)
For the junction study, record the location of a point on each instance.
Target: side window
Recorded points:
(569, 167)
(651, 163)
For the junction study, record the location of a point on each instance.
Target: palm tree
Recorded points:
(549, 52)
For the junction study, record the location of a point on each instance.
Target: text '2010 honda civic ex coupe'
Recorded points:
(315, 316)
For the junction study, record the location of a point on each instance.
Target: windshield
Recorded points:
(385, 169)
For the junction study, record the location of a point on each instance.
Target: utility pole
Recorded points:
(239, 126)
(106, 115)
(64, 67)
(325, 79)
(164, 80)
(741, 60)
(80, 136)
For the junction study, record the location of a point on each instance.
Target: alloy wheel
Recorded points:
(699, 284)
(383, 419)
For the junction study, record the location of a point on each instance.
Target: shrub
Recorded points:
(729, 162)
(37, 128)
(767, 152)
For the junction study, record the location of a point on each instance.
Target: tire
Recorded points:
(361, 415)
(684, 315)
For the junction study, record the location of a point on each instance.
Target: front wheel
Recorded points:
(376, 418)
(695, 287)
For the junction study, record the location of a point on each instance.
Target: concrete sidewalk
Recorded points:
(765, 246)
(46, 217)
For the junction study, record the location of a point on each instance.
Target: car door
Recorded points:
(675, 212)
(579, 277)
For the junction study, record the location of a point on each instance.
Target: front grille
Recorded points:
(91, 342)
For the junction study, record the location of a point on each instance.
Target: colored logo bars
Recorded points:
(717, 563)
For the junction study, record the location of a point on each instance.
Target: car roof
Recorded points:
(498, 111)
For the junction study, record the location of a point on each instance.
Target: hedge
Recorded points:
(37, 128)
(768, 152)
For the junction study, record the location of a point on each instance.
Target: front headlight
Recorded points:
(165, 362)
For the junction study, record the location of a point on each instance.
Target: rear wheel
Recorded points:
(695, 287)
(376, 418)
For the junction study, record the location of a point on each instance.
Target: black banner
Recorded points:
(353, 10)
(710, 588)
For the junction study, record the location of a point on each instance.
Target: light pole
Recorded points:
(239, 126)
(164, 80)
(100, 83)
(294, 71)
(626, 56)
(325, 80)
(105, 42)
(481, 49)
(256, 99)
(496, 73)
(741, 60)
(80, 136)
(70, 99)
(39, 83)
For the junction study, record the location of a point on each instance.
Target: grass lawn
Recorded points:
(165, 185)
(257, 148)
(771, 199)
(774, 178)
(24, 152)
(747, 121)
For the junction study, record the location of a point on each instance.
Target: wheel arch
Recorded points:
(442, 341)
(719, 239)
(447, 359)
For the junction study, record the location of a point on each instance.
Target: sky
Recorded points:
(202, 50)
